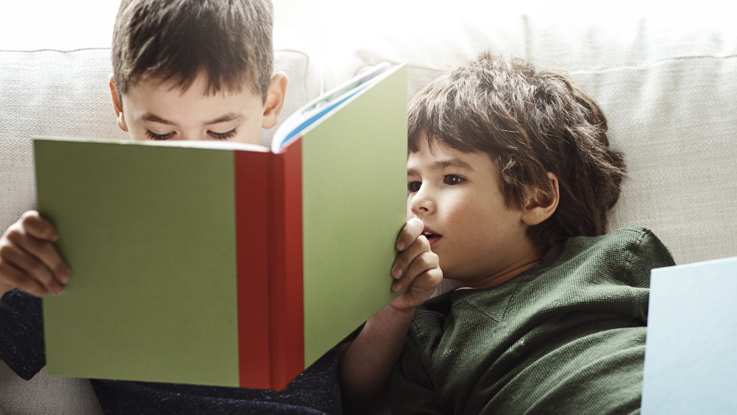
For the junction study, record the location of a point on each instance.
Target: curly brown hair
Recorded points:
(231, 40)
(530, 123)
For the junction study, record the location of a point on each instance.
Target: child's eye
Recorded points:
(153, 136)
(222, 136)
(413, 187)
(452, 179)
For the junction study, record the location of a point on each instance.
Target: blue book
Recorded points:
(691, 351)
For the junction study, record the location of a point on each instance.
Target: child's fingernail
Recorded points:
(397, 287)
(400, 246)
(397, 272)
(58, 289)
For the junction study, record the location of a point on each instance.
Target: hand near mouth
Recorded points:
(416, 268)
(368, 360)
(432, 236)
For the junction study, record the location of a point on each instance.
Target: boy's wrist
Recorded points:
(401, 312)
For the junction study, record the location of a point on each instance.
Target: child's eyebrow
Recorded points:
(225, 118)
(155, 118)
(453, 162)
(444, 164)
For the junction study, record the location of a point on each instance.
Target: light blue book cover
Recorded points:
(691, 351)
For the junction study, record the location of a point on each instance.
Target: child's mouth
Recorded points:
(431, 236)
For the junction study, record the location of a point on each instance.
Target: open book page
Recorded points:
(316, 109)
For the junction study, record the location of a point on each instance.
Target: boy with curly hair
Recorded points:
(511, 173)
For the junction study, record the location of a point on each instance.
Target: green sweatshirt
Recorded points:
(567, 336)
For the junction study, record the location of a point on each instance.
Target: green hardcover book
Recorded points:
(221, 263)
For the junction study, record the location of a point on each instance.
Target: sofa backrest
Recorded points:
(667, 84)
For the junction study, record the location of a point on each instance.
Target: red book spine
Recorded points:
(287, 304)
(253, 203)
(268, 189)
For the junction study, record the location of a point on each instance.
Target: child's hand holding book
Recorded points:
(416, 267)
(365, 364)
(28, 260)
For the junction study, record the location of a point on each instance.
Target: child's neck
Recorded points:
(519, 266)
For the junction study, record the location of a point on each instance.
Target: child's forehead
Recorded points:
(200, 86)
(439, 149)
(168, 103)
(436, 155)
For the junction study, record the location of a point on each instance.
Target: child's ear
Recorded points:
(275, 99)
(117, 105)
(540, 205)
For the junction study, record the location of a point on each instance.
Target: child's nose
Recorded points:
(421, 203)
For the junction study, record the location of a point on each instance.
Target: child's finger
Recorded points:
(423, 262)
(424, 284)
(38, 227)
(405, 258)
(412, 229)
(15, 278)
(31, 267)
(42, 251)
(420, 291)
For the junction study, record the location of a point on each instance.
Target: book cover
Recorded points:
(690, 360)
(224, 264)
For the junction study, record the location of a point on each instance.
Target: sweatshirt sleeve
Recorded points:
(411, 390)
(644, 253)
(649, 252)
(21, 333)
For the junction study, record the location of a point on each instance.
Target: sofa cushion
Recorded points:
(666, 83)
(45, 394)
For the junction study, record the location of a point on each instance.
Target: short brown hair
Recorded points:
(530, 123)
(231, 40)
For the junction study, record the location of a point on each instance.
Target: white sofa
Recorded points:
(668, 86)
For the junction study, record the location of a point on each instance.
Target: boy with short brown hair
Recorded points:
(511, 173)
(188, 70)
(163, 40)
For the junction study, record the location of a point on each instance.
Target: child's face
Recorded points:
(161, 111)
(457, 196)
